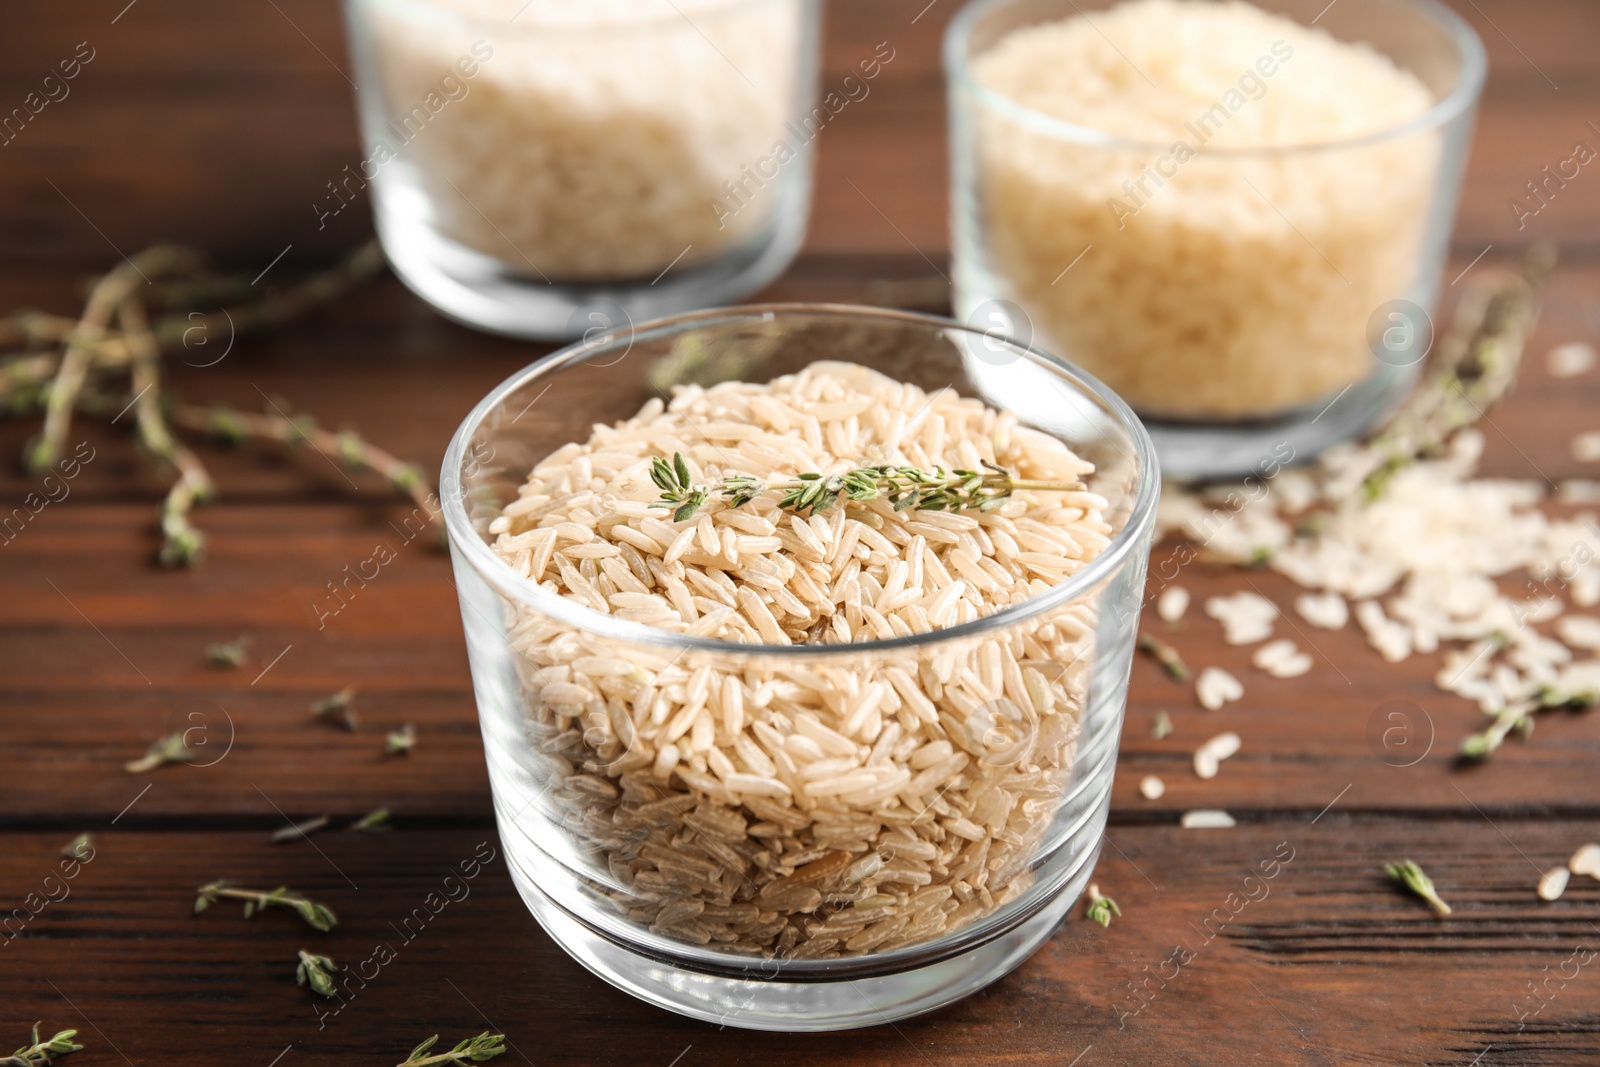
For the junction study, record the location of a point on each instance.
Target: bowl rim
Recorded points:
(1460, 100)
(466, 541)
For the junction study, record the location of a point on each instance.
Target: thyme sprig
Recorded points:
(318, 916)
(109, 359)
(1518, 718)
(1101, 908)
(296, 831)
(336, 708)
(40, 1053)
(316, 972)
(1166, 655)
(485, 1046)
(1408, 874)
(372, 822)
(230, 653)
(400, 742)
(80, 848)
(938, 489)
(169, 749)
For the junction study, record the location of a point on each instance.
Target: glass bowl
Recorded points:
(548, 170)
(682, 887)
(1251, 303)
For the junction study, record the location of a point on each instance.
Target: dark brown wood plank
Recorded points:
(1285, 970)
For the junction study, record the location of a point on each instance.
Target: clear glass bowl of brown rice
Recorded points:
(786, 769)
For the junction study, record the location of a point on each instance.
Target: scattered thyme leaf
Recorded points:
(336, 708)
(1162, 727)
(372, 821)
(1101, 908)
(400, 742)
(485, 1046)
(1165, 655)
(904, 487)
(232, 654)
(39, 1053)
(169, 749)
(295, 831)
(1412, 877)
(318, 916)
(316, 972)
(80, 848)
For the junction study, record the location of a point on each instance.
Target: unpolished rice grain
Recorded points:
(909, 790)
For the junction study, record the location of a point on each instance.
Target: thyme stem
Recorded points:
(938, 489)
(318, 916)
(1408, 874)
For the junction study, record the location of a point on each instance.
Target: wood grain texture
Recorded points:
(218, 127)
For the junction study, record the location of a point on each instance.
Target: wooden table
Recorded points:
(220, 128)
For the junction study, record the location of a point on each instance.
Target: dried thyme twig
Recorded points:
(40, 1053)
(296, 831)
(1518, 718)
(108, 294)
(1476, 367)
(485, 1046)
(1100, 908)
(169, 749)
(372, 822)
(317, 972)
(318, 916)
(79, 848)
(336, 708)
(400, 742)
(1165, 655)
(904, 487)
(114, 336)
(1412, 877)
(229, 654)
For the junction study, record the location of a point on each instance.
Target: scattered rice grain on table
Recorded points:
(1245, 617)
(1554, 883)
(1586, 447)
(1215, 687)
(1207, 819)
(728, 806)
(1570, 360)
(1326, 611)
(1173, 602)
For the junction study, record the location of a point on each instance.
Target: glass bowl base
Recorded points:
(1199, 451)
(762, 1002)
(481, 292)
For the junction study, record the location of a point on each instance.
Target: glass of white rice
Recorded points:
(785, 771)
(544, 168)
(1235, 215)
